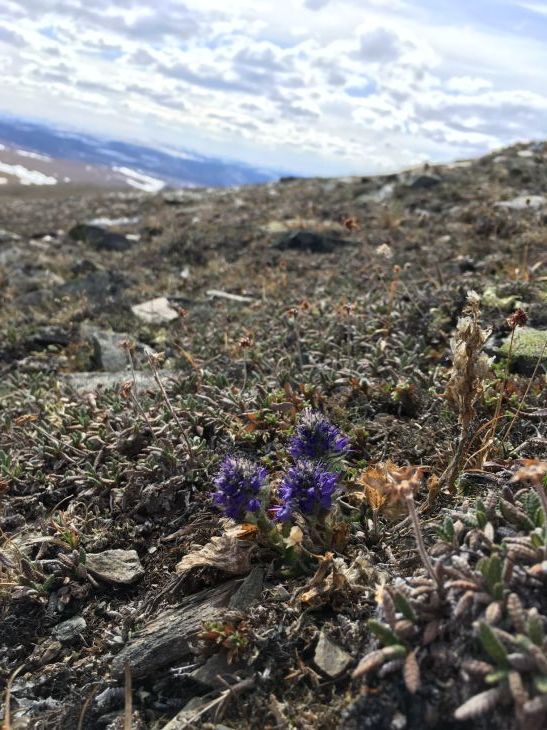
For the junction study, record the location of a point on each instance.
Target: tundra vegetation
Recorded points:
(305, 487)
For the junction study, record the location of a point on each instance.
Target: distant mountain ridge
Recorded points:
(38, 154)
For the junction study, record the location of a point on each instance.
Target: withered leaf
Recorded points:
(225, 552)
(411, 673)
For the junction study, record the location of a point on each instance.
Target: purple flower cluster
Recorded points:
(238, 484)
(307, 487)
(316, 438)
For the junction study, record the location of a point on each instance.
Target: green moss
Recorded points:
(490, 298)
(529, 346)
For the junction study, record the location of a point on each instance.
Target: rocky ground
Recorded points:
(142, 338)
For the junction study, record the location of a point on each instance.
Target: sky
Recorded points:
(311, 86)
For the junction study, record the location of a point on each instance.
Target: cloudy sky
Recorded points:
(313, 86)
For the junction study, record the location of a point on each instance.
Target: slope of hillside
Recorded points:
(35, 154)
(144, 337)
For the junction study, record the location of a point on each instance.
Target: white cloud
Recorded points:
(316, 85)
(539, 8)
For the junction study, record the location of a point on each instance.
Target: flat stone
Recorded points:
(121, 567)
(155, 311)
(70, 629)
(172, 635)
(89, 382)
(217, 294)
(523, 202)
(330, 658)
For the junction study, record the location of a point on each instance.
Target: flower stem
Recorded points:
(428, 565)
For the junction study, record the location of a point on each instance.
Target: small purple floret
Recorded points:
(316, 437)
(238, 484)
(307, 488)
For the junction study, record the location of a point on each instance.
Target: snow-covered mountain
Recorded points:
(36, 154)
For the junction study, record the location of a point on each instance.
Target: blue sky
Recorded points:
(314, 86)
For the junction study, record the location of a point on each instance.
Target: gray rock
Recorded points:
(171, 636)
(10, 255)
(108, 353)
(523, 202)
(48, 335)
(89, 382)
(121, 567)
(310, 241)
(70, 629)
(96, 285)
(215, 670)
(424, 182)
(99, 238)
(155, 311)
(248, 591)
(329, 657)
(8, 236)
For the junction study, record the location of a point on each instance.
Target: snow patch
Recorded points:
(141, 182)
(26, 176)
(33, 155)
(114, 221)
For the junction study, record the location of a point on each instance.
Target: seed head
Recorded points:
(517, 319)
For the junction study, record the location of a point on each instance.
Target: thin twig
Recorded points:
(170, 406)
(85, 707)
(6, 725)
(426, 560)
(128, 712)
(521, 402)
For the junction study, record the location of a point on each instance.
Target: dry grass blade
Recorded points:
(128, 695)
(7, 703)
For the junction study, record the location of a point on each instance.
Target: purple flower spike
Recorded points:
(307, 487)
(316, 437)
(238, 484)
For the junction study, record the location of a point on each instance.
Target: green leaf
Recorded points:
(403, 606)
(480, 513)
(496, 677)
(493, 646)
(540, 683)
(383, 632)
(515, 516)
(448, 526)
(535, 630)
(491, 568)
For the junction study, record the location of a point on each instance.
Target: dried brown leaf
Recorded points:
(377, 658)
(224, 552)
(479, 704)
(411, 673)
